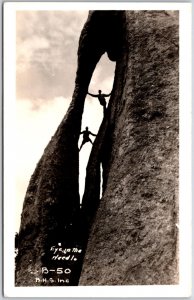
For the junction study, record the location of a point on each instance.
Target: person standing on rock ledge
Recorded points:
(86, 138)
(101, 98)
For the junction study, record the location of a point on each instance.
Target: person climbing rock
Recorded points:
(101, 98)
(86, 138)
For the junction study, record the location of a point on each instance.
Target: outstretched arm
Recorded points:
(107, 95)
(92, 95)
(81, 132)
(93, 134)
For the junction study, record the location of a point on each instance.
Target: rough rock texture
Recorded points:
(133, 239)
(131, 230)
(51, 210)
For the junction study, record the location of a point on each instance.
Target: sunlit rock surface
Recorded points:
(131, 229)
(133, 239)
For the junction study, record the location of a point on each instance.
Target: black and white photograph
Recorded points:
(97, 158)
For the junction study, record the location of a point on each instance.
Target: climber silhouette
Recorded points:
(101, 98)
(86, 138)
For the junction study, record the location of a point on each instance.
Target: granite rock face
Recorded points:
(51, 209)
(129, 236)
(133, 238)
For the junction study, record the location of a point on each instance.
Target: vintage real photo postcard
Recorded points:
(97, 149)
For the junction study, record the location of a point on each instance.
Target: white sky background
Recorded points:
(46, 53)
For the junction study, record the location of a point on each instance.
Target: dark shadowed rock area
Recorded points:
(129, 236)
(51, 211)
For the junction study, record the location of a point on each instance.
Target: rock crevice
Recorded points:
(133, 238)
(128, 236)
(51, 209)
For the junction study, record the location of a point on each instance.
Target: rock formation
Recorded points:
(51, 210)
(132, 228)
(133, 239)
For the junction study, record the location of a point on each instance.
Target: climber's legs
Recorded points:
(85, 141)
(89, 140)
(104, 109)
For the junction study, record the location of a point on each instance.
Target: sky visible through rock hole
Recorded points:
(46, 63)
